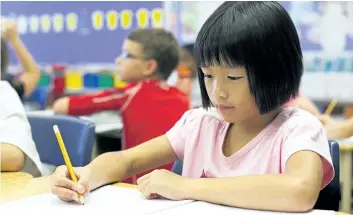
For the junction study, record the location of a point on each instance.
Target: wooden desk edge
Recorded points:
(346, 147)
(14, 176)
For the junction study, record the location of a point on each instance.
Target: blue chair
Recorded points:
(78, 136)
(329, 197)
(178, 167)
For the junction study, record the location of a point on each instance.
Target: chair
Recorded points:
(178, 167)
(329, 197)
(78, 136)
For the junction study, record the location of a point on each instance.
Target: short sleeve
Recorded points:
(309, 135)
(14, 126)
(177, 135)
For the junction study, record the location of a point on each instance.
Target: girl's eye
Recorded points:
(208, 76)
(234, 78)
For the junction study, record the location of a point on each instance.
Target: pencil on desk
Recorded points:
(66, 158)
(331, 106)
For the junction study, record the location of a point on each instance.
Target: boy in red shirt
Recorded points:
(148, 106)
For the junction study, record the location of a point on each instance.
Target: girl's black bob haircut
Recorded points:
(259, 36)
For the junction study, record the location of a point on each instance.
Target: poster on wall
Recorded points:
(326, 34)
(79, 32)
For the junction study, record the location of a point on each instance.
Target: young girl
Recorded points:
(241, 149)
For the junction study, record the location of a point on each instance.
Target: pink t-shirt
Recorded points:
(197, 139)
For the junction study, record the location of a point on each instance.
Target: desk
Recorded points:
(12, 190)
(105, 121)
(14, 176)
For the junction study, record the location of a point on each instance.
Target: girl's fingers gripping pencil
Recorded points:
(66, 158)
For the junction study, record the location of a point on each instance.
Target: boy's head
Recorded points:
(148, 53)
(5, 58)
(187, 71)
(250, 59)
(187, 62)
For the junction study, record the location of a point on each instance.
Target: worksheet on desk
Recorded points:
(108, 198)
(207, 208)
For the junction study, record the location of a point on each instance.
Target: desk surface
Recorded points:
(17, 189)
(346, 144)
(12, 190)
(14, 176)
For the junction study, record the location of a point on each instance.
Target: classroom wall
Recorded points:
(71, 33)
(326, 34)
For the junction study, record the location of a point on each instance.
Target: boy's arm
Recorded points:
(295, 190)
(86, 104)
(12, 158)
(115, 166)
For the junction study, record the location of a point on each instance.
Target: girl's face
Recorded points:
(228, 90)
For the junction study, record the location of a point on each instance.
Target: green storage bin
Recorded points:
(44, 80)
(106, 81)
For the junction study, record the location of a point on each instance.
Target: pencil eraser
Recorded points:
(56, 129)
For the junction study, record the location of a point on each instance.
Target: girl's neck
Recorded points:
(257, 123)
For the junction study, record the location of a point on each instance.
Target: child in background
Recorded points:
(28, 81)
(337, 130)
(185, 76)
(18, 151)
(304, 103)
(242, 149)
(148, 57)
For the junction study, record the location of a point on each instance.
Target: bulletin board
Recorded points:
(74, 32)
(326, 34)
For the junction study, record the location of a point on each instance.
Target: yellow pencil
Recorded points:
(66, 158)
(331, 106)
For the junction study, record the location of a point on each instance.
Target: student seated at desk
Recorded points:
(304, 103)
(337, 130)
(28, 81)
(18, 151)
(246, 151)
(185, 76)
(149, 107)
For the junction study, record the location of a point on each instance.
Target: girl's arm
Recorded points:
(296, 190)
(115, 166)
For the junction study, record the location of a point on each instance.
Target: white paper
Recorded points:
(108, 198)
(207, 208)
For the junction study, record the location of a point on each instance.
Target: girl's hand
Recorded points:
(163, 183)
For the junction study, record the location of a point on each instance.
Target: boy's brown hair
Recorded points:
(160, 45)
